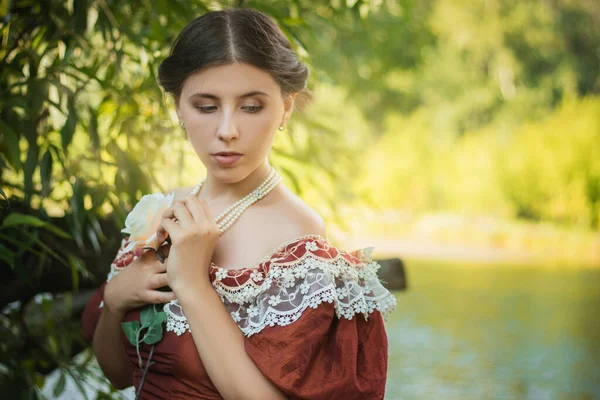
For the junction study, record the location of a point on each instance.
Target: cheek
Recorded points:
(260, 123)
(197, 120)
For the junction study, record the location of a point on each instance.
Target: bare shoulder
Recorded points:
(278, 218)
(300, 218)
(287, 215)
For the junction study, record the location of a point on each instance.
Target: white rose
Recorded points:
(142, 222)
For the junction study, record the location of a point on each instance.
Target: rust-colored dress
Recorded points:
(313, 319)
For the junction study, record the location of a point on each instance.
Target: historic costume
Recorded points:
(313, 317)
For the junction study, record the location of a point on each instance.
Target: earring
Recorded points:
(281, 127)
(182, 124)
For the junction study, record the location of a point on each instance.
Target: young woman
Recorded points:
(276, 311)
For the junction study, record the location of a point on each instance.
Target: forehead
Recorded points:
(230, 80)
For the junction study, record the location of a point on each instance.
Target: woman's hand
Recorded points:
(138, 284)
(193, 240)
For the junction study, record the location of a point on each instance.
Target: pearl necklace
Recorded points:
(233, 212)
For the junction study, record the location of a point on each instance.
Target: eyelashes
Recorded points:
(211, 109)
(207, 109)
(252, 109)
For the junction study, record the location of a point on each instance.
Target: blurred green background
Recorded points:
(460, 136)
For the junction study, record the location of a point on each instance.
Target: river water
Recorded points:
(495, 332)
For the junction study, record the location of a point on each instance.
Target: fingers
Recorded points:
(178, 211)
(182, 213)
(159, 280)
(210, 223)
(167, 227)
(191, 212)
(204, 215)
(194, 206)
(156, 296)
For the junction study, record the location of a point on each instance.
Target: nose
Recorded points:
(227, 129)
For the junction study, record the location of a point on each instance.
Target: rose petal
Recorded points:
(143, 221)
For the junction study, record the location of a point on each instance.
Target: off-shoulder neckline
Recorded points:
(271, 253)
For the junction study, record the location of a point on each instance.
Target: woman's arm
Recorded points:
(220, 344)
(131, 288)
(109, 352)
(219, 341)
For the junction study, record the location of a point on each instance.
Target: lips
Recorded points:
(227, 153)
(230, 159)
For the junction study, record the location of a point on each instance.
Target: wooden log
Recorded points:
(392, 273)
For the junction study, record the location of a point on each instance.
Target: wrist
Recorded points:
(191, 292)
(109, 305)
(113, 313)
(190, 281)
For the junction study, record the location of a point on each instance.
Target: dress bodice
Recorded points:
(312, 315)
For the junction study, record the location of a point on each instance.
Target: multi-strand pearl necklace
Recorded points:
(233, 212)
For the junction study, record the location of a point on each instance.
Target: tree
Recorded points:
(82, 133)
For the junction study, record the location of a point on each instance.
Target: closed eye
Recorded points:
(207, 109)
(210, 109)
(252, 109)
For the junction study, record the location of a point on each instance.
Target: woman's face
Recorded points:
(232, 108)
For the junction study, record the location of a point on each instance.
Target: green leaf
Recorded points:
(15, 219)
(147, 314)
(78, 205)
(93, 130)
(131, 330)
(46, 172)
(159, 318)
(59, 386)
(57, 231)
(22, 219)
(155, 331)
(11, 143)
(80, 16)
(7, 255)
(74, 265)
(39, 380)
(31, 163)
(68, 129)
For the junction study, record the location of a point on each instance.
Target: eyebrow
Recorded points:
(214, 97)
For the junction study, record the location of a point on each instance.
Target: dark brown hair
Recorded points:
(229, 36)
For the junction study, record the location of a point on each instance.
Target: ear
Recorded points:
(178, 110)
(176, 99)
(288, 106)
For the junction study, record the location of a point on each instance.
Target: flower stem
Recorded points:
(137, 395)
(137, 348)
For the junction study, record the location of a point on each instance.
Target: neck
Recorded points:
(219, 191)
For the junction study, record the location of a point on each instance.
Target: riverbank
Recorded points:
(467, 239)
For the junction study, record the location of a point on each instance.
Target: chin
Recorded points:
(230, 175)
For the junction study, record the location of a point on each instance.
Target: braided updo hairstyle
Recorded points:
(232, 36)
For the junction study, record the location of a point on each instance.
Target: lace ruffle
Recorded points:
(301, 273)
(278, 295)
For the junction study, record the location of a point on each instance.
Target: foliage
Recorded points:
(85, 132)
(504, 118)
(439, 104)
(543, 171)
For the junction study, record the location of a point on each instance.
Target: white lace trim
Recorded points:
(289, 288)
(287, 291)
